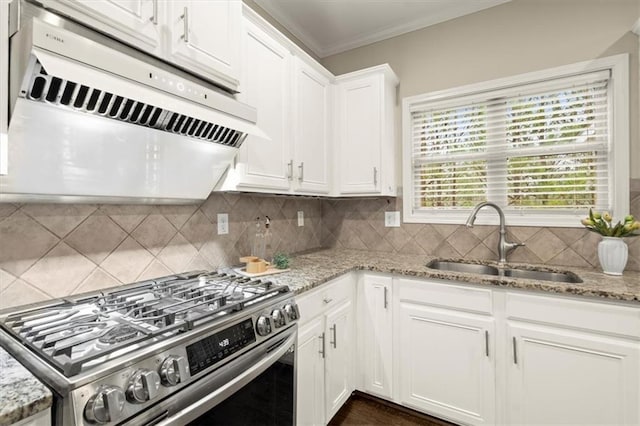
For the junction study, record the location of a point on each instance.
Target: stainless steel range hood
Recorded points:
(92, 120)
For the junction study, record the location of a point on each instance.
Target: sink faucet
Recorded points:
(504, 247)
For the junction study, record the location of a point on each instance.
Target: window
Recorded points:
(545, 146)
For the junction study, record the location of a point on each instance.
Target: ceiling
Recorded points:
(328, 27)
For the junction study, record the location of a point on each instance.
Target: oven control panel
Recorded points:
(215, 348)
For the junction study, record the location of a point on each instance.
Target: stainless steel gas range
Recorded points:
(195, 348)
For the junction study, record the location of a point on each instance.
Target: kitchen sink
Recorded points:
(530, 274)
(471, 268)
(559, 277)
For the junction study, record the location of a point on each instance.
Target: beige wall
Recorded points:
(513, 38)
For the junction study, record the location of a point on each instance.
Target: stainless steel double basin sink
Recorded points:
(531, 274)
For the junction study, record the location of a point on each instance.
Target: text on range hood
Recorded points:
(83, 92)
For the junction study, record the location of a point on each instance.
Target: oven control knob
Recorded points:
(291, 310)
(278, 318)
(105, 406)
(143, 386)
(173, 370)
(263, 326)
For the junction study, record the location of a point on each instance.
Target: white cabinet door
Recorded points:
(377, 344)
(310, 374)
(133, 21)
(205, 36)
(311, 123)
(264, 163)
(447, 363)
(360, 138)
(339, 362)
(567, 377)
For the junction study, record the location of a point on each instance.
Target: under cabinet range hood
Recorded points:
(92, 120)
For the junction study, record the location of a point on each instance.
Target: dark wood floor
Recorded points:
(363, 409)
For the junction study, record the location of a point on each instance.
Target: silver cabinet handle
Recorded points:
(326, 300)
(515, 351)
(185, 17)
(321, 337)
(290, 170)
(335, 340)
(375, 176)
(154, 18)
(486, 342)
(385, 298)
(301, 172)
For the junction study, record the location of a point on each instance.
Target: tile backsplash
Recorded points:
(55, 250)
(359, 224)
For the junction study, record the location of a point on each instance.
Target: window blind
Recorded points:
(537, 147)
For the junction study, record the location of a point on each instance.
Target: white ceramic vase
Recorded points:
(612, 252)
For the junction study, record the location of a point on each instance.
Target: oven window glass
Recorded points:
(266, 400)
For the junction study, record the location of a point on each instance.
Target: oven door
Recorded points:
(257, 388)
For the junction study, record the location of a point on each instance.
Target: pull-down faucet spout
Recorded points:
(504, 247)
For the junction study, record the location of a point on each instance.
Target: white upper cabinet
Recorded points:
(311, 96)
(136, 22)
(365, 132)
(201, 36)
(266, 85)
(205, 35)
(292, 95)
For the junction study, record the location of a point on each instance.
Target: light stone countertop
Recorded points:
(21, 394)
(313, 269)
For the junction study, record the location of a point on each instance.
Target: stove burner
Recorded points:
(119, 333)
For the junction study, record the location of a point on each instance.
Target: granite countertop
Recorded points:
(21, 394)
(313, 269)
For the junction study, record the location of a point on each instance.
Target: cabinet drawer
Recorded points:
(594, 316)
(325, 297)
(435, 293)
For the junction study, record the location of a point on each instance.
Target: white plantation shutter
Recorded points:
(540, 147)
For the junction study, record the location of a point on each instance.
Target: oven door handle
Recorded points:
(205, 404)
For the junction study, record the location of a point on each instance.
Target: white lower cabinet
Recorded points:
(376, 347)
(447, 356)
(470, 354)
(326, 348)
(584, 370)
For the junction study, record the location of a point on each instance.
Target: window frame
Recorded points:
(619, 157)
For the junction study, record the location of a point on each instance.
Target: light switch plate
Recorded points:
(223, 223)
(300, 218)
(392, 219)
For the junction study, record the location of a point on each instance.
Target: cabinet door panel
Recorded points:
(265, 86)
(310, 374)
(311, 137)
(207, 38)
(340, 347)
(564, 377)
(446, 364)
(129, 20)
(360, 136)
(377, 340)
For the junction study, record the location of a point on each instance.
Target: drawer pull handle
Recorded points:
(321, 337)
(515, 351)
(326, 300)
(386, 302)
(185, 16)
(486, 342)
(335, 341)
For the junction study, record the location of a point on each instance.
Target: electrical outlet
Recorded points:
(223, 223)
(300, 218)
(392, 219)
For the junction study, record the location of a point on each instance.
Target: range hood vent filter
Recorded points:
(57, 91)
